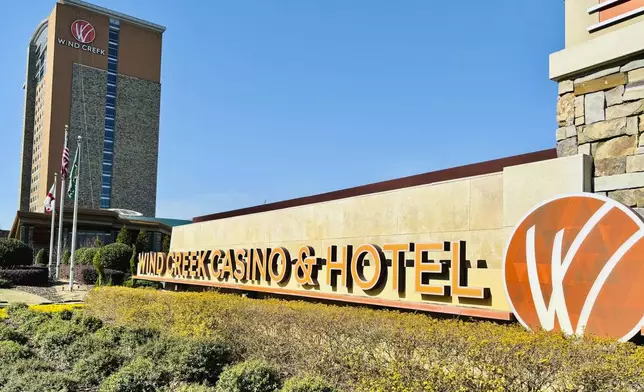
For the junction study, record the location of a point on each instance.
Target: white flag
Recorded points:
(50, 200)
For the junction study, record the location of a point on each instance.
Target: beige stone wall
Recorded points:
(601, 115)
(479, 210)
(594, 50)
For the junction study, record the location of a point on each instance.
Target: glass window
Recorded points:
(111, 90)
(111, 101)
(110, 112)
(111, 78)
(109, 123)
(114, 35)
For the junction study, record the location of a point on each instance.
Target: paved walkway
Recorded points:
(32, 295)
(8, 296)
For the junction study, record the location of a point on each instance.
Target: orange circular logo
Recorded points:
(576, 264)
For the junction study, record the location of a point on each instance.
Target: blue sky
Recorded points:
(266, 100)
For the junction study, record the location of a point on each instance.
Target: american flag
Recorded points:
(65, 163)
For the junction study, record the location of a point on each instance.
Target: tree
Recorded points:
(42, 257)
(165, 244)
(133, 262)
(124, 236)
(142, 243)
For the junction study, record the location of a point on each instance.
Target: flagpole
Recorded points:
(60, 213)
(53, 227)
(74, 222)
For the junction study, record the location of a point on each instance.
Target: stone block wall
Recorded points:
(601, 114)
(136, 149)
(87, 119)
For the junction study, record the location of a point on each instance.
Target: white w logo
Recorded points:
(82, 31)
(557, 304)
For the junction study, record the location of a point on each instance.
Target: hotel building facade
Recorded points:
(98, 72)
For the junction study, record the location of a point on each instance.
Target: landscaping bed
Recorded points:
(359, 349)
(68, 350)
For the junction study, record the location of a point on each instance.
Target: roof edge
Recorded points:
(121, 16)
(453, 173)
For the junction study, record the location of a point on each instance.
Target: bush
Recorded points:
(165, 244)
(85, 256)
(97, 366)
(7, 333)
(5, 284)
(113, 256)
(147, 283)
(361, 349)
(87, 274)
(133, 262)
(26, 275)
(14, 252)
(11, 351)
(42, 258)
(140, 375)
(249, 376)
(308, 384)
(16, 307)
(142, 243)
(189, 359)
(66, 256)
(190, 388)
(124, 236)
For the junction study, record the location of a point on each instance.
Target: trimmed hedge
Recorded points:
(87, 274)
(85, 256)
(113, 256)
(14, 252)
(26, 275)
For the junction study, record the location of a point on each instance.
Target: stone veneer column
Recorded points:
(600, 114)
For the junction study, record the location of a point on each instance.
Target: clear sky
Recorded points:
(266, 100)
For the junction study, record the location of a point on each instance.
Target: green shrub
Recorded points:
(31, 381)
(124, 236)
(16, 307)
(97, 242)
(53, 339)
(133, 262)
(11, 351)
(140, 375)
(66, 256)
(189, 359)
(87, 322)
(165, 244)
(8, 333)
(113, 256)
(5, 284)
(142, 243)
(307, 384)
(249, 376)
(14, 252)
(42, 257)
(190, 388)
(96, 366)
(147, 283)
(85, 256)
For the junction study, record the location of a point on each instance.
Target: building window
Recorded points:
(110, 113)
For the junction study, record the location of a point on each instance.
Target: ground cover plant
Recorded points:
(63, 348)
(359, 349)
